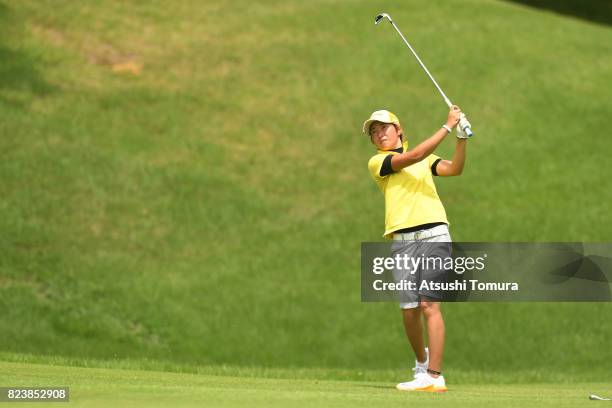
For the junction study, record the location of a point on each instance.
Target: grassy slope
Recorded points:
(101, 387)
(210, 209)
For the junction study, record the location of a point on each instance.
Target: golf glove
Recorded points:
(463, 123)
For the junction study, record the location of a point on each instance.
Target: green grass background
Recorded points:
(209, 210)
(103, 387)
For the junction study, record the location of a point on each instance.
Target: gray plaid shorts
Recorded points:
(426, 244)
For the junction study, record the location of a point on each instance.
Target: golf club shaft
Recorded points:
(448, 101)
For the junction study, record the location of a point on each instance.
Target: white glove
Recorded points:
(463, 123)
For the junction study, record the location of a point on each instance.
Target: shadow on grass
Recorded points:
(20, 76)
(383, 387)
(597, 11)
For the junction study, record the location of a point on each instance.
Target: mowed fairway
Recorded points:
(103, 387)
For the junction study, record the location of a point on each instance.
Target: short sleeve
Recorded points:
(375, 164)
(432, 162)
(431, 159)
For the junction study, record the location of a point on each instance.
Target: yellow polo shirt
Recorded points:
(410, 194)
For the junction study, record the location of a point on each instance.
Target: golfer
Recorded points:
(415, 219)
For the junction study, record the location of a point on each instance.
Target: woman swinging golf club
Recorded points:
(415, 219)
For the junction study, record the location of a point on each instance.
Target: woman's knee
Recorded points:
(430, 308)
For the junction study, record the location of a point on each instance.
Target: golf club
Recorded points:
(378, 19)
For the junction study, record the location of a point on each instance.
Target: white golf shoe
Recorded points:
(421, 368)
(424, 382)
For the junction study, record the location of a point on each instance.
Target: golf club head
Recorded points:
(380, 17)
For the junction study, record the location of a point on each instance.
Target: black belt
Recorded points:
(419, 227)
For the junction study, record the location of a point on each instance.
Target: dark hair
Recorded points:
(401, 134)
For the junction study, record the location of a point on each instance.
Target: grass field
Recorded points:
(94, 387)
(186, 184)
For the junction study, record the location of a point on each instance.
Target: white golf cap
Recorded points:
(383, 116)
